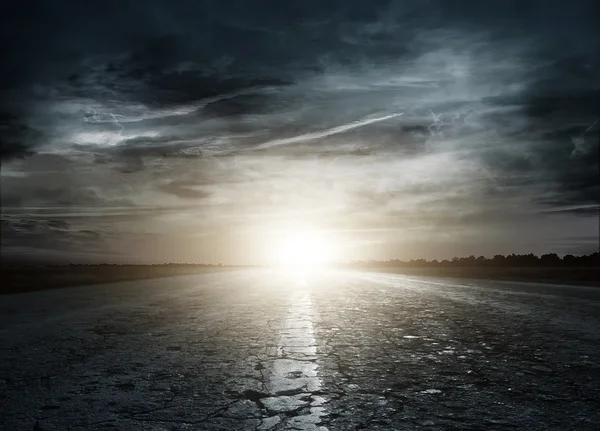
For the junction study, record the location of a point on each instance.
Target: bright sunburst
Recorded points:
(304, 248)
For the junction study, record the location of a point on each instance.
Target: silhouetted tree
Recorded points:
(550, 259)
(512, 260)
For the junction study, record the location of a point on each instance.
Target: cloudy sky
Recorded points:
(180, 130)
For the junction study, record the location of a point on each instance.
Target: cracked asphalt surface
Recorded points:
(259, 350)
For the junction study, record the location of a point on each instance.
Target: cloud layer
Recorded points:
(409, 128)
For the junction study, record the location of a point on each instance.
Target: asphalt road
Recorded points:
(259, 350)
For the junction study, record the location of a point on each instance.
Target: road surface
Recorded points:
(260, 350)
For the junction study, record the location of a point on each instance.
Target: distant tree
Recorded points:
(512, 260)
(550, 259)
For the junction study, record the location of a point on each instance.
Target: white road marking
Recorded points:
(295, 373)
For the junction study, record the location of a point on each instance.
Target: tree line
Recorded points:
(499, 260)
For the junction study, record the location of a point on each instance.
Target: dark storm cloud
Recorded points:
(16, 138)
(243, 107)
(31, 237)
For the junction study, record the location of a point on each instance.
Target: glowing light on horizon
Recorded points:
(303, 249)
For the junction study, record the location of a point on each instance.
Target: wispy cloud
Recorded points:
(325, 133)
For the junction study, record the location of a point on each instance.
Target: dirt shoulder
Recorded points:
(28, 279)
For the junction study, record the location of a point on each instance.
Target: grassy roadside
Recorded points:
(28, 279)
(574, 276)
